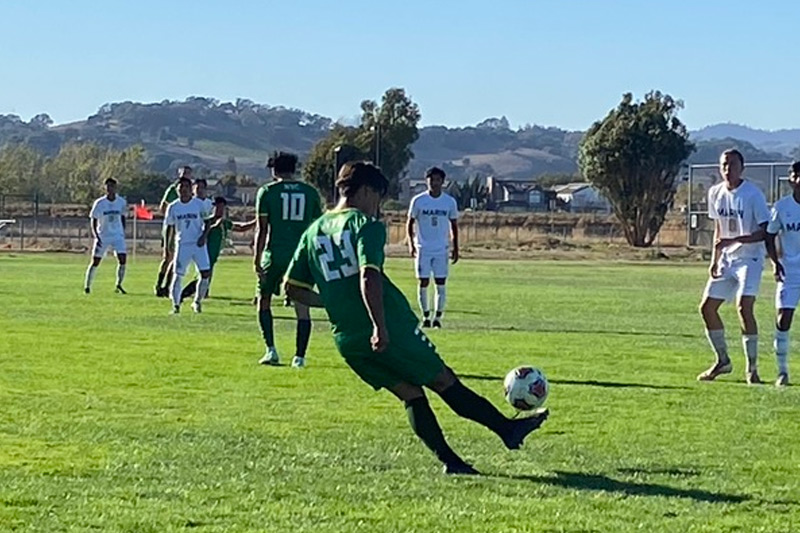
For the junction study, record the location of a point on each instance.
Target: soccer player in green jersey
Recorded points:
(168, 248)
(218, 233)
(285, 207)
(374, 328)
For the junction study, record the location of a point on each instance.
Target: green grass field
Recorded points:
(117, 417)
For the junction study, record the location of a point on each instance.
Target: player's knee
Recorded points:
(440, 281)
(205, 274)
(445, 379)
(122, 258)
(424, 282)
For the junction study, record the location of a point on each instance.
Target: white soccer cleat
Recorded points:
(197, 307)
(270, 358)
(298, 362)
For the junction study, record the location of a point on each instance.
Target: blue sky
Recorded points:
(554, 63)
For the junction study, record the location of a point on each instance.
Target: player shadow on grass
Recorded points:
(587, 382)
(599, 482)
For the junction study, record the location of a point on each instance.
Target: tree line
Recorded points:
(633, 156)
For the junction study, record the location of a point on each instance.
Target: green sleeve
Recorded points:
(170, 194)
(370, 241)
(317, 205)
(227, 224)
(299, 271)
(262, 205)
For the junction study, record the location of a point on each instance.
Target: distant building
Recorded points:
(582, 197)
(519, 195)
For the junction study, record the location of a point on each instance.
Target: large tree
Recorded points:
(384, 134)
(633, 156)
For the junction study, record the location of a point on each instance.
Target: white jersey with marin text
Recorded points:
(739, 212)
(108, 214)
(188, 219)
(433, 216)
(785, 221)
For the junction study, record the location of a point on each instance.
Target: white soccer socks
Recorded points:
(782, 350)
(750, 344)
(441, 298)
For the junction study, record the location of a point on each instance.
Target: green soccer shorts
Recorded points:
(270, 282)
(410, 357)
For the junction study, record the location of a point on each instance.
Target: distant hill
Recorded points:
(780, 141)
(237, 136)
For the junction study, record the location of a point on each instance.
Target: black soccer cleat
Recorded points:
(460, 469)
(87, 290)
(120, 290)
(426, 323)
(437, 324)
(522, 427)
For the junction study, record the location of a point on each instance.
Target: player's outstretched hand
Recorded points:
(778, 272)
(455, 255)
(379, 339)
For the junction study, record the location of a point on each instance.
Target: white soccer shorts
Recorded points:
(187, 253)
(436, 264)
(787, 293)
(117, 244)
(740, 277)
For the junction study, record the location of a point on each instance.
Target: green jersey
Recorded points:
(216, 238)
(289, 206)
(171, 194)
(330, 255)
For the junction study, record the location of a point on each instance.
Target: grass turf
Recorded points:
(115, 416)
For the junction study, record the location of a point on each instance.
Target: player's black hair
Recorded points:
(795, 167)
(201, 180)
(220, 200)
(737, 153)
(182, 170)
(282, 162)
(183, 179)
(356, 174)
(110, 181)
(435, 171)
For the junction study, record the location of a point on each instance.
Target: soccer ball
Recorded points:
(525, 388)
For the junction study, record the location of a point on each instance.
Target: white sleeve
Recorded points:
(169, 219)
(712, 212)
(95, 208)
(413, 209)
(453, 214)
(123, 207)
(774, 224)
(761, 210)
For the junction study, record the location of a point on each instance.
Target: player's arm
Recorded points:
(262, 229)
(716, 251)
(299, 282)
(162, 207)
(757, 236)
(773, 227)
(454, 233)
(204, 237)
(412, 215)
(244, 226)
(303, 295)
(95, 231)
(370, 250)
(170, 236)
(372, 294)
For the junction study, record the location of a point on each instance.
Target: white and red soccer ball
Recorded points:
(525, 388)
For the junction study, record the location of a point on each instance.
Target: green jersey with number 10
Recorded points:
(290, 206)
(330, 255)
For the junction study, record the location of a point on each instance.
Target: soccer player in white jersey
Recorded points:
(784, 223)
(186, 220)
(740, 215)
(108, 227)
(435, 214)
